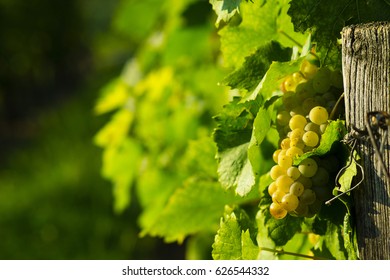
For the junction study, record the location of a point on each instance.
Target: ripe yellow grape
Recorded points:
(275, 155)
(284, 160)
(294, 152)
(277, 211)
(310, 138)
(293, 172)
(272, 188)
(297, 121)
(285, 143)
(318, 115)
(284, 182)
(296, 133)
(290, 202)
(277, 171)
(277, 196)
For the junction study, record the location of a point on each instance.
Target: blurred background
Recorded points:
(55, 56)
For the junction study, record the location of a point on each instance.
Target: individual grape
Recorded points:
(310, 126)
(275, 155)
(296, 133)
(322, 80)
(289, 202)
(296, 142)
(277, 211)
(297, 188)
(304, 91)
(301, 210)
(308, 69)
(293, 172)
(336, 79)
(296, 110)
(323, 127)
(272, 188)
(307, 197)
(306, 182)
(283, 118)
(308, 167)
(284, 160)
(284, 182)
(285, 143)
(297, 121)
(289, 84)
(277, 171)
(310, 138)
(321, 178)
(298, 78)
(294, 152)
(308, 104)
(318, 115)
(277, 196)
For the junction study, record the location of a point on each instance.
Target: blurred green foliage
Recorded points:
(54, 58)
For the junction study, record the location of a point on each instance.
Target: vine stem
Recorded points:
(290, 38)
(282, 252)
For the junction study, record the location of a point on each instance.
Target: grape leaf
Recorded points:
(120, 164)
(225, 9)
(235, 123)
(262, 21)
(338, 13)
(256, 65)
(334, 132)
(113, 95)
(195, 207)
(233, 240)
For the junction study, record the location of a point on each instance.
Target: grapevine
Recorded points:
(309, 96)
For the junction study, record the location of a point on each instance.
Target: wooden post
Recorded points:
(366, 72)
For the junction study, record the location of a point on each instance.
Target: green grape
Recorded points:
(298, 78)
(277, 171)
(289, 100)
(285, 143)
(310, 138)
(304, 91)
(294, 152)
(277, 196)
(321, 178)
(296, 133)
(289, 202)
(284, 160)
(289, 84)
(315, 207)
(277, 211)
(272, 188)
(336, 79)
(308, 69)
(296, 142)
(318, 115)
(308, 167)
(323, 127)
(297, 121)
(322, 80)
(275, 155)
(302, 210)
(297, 110)
(297, 188)
(284, 182)
(283, 118)
(293, 172)
(308, 104)
(313, 127)
(307, 197)
(306, 182)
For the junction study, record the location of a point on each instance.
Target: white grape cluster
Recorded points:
(308, 97)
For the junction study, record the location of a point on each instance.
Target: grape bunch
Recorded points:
(309, 96)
